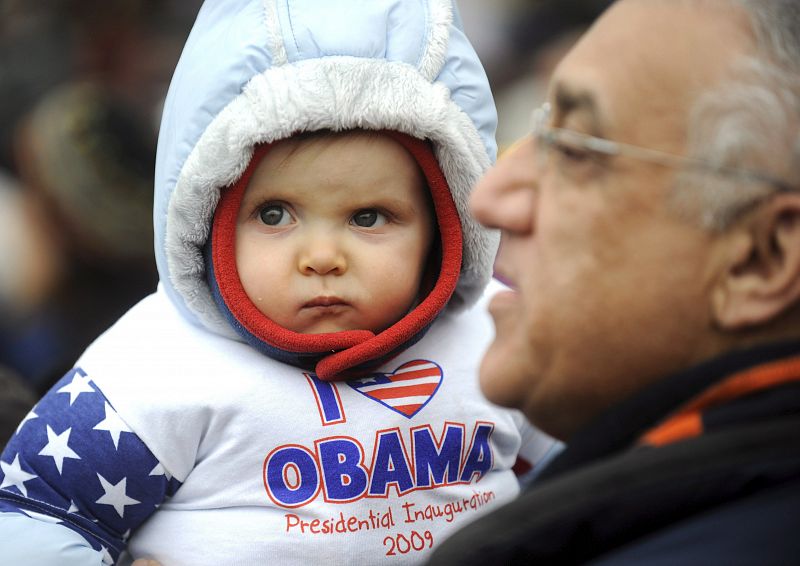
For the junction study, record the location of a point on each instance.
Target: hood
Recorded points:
(256, 71)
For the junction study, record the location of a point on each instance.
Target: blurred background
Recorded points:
(520, 42)
(82, 84)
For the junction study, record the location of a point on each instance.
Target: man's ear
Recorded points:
(761, 268)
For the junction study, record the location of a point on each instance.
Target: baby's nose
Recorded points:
(322, 255)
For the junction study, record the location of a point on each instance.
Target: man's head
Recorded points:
(334, 233)
(630, 264)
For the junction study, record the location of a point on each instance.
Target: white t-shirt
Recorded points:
(259, 462)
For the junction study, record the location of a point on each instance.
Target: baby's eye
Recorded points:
(274, 215)
(368, 218)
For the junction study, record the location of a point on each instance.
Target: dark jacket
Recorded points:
(701, 468)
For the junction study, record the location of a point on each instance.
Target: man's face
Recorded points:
(333, 233)
(611, 286)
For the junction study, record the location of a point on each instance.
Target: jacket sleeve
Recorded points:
(37, 543)
(74, 462)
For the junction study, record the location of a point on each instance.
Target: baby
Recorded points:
(302, 386)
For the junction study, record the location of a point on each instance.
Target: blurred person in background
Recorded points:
(16, 400)
(88, 75)
(78, 237)
(129, 46)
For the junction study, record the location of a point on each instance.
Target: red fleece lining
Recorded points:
(223, 252)
(356, 346)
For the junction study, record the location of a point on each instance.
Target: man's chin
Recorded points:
(497, 376)
(503, 303)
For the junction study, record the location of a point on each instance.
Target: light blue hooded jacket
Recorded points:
(259, 71)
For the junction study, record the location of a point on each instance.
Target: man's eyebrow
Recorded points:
(569, 99)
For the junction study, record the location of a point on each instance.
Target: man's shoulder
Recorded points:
(758, 529)
(642, 494)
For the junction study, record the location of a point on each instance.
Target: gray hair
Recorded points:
(751, 122)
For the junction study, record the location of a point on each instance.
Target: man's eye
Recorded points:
(571, 153)
(274, 215)
(368, 218)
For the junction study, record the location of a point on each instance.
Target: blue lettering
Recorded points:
(344, 476)
(294, 475)
(479, 459)
(390, 466)
(275, 476)
(330, 406)
(431, 464)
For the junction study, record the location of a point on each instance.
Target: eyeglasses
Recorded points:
(577, 147)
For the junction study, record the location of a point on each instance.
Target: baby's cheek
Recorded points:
(399, 292)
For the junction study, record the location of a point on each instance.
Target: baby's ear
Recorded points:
(761, 281)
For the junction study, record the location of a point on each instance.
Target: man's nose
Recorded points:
(505, 197)
(322, 253)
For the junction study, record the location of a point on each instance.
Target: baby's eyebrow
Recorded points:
(382, 201)
(387, 203)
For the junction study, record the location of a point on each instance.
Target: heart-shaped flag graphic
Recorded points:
(406, 390)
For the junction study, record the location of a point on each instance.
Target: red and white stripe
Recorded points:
(411, 386)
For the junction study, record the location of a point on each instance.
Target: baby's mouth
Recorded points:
(322, 302)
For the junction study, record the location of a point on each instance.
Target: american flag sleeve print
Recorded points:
(75, 462)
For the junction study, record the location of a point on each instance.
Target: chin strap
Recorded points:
(336, 355)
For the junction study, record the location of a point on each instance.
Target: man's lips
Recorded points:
(504, 278)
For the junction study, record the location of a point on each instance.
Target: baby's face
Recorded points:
(333, 233)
